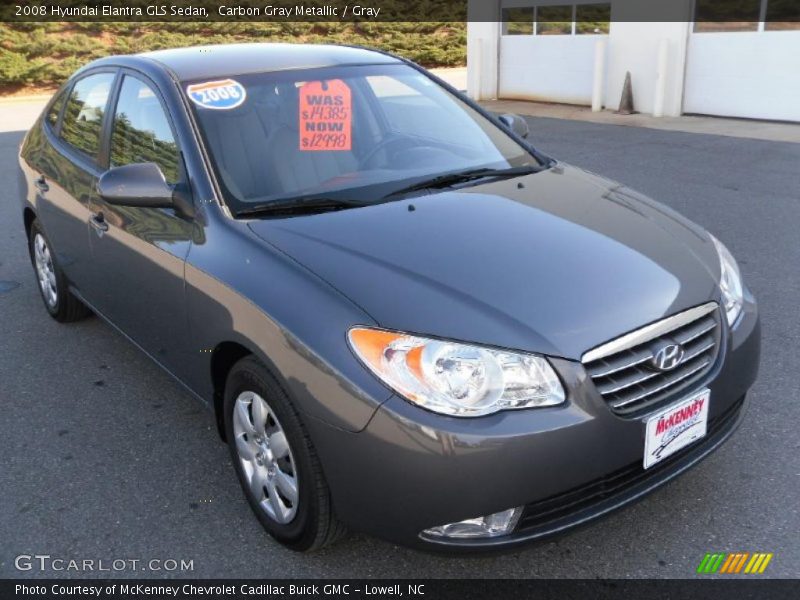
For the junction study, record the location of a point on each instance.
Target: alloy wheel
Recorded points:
(45, 271)
(265, 457)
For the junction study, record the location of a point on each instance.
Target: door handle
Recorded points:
(41, 183)
(98, 221)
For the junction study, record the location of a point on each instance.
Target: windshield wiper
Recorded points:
(306, 204)
(449, 179)
(300, 204)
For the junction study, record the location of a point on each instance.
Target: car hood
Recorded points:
(558, 266)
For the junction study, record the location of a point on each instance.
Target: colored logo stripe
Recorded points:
(711, 563)
(732, 558)
(758, 563)
(734, 562)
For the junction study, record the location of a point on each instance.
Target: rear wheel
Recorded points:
(58, 300)
(275, 460)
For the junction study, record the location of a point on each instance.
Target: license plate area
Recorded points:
(675, 427)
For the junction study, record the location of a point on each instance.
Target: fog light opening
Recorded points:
(499, 523)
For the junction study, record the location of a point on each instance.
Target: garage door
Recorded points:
(747, 69)
(547, 52)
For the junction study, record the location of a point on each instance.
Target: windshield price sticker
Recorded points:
(325, 116)
(219, 95)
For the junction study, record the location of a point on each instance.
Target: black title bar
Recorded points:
(460, 589)
(21, 11)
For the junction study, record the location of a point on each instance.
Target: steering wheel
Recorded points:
(387, 142)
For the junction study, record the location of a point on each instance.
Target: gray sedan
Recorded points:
(407, 320)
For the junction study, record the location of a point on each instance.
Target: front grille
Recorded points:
(548, 511)
(622, 372)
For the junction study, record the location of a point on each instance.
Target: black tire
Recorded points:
(66, 307)
(314, 524)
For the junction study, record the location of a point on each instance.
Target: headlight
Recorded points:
(456, 379)
(730, 282)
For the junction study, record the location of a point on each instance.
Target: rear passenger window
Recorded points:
(55, 110)
(83, 119)
(141, 130)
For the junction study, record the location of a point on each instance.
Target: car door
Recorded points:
(66, 169)
(138, 253)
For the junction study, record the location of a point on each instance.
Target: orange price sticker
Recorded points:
(325, 116)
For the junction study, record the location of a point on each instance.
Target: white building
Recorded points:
(578, 52)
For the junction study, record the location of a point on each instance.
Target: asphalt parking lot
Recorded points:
(105, 457)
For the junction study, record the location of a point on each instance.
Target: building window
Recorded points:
(518, 21)
(731, 16)
(782, 15)
(554, 20)
(726, 15)
(592, 18)
(559, 19)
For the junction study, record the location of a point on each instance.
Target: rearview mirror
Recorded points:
(139, 184)
(516, 124)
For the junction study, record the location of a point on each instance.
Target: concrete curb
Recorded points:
(743, 128)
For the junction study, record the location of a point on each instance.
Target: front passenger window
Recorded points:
(83, 119)
(142, 132)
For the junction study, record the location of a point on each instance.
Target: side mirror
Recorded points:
(140, 184)
(516, 124)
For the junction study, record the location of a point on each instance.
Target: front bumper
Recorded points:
(410, 469)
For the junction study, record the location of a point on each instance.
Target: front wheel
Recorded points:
(275, 460)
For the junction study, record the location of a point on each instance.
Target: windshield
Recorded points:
(360, 132)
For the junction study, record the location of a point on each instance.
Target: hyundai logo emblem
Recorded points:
(668, 357)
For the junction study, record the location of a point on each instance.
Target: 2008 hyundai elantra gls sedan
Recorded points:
(407, 320)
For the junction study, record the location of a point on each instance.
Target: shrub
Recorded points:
(45, 54)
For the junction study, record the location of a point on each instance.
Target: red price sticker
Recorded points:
(325, 116)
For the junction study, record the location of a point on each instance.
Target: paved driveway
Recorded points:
(105, 457)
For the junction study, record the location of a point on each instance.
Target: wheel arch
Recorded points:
(223, 357)
(29, 216)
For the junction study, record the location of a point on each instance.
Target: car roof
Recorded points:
(197, 62)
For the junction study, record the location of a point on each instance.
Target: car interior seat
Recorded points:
(294, 168)
(239, 137)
